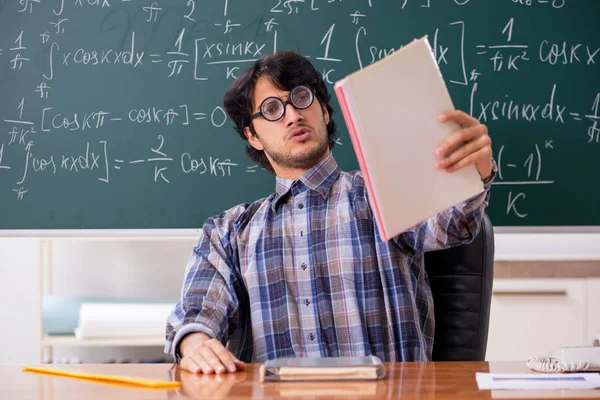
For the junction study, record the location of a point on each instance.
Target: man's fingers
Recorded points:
(211, 358)
(189, 365)
(452, 142)
(463, 151)
(470, 159)
(205, 366)
(225, 357)
(460, 117)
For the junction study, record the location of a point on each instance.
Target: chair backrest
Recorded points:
(461, 282)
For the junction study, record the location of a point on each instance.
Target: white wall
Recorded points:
(150, 267)
(546, 246)
(19, 301)
(154, 267)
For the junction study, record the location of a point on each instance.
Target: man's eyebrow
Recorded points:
(277, 97)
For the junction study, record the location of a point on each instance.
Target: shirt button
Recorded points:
(311, 336)
(303, 266)
(307, 302)
(301, 206)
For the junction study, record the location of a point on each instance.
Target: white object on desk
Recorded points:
(537, 381)
(587, 354)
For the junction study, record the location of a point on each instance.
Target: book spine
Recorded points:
(339, 91)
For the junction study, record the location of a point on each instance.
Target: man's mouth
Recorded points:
(299, 134)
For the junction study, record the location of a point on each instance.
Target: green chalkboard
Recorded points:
(111, 111)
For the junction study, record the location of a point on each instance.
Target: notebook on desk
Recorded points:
(321, 369)
(391, 109)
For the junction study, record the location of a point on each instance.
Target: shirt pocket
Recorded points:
(350, 242)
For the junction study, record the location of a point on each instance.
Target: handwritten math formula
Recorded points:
(100, 95)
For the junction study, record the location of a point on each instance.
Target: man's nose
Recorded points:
(292, 115)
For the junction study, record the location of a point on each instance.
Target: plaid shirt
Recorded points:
(304, 273)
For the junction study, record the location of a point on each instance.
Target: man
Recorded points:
(304, 272)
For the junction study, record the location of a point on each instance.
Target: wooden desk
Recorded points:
(403, 381)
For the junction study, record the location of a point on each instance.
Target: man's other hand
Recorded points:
(469, 145)
(201, 353)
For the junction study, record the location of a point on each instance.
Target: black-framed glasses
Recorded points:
(273, 108)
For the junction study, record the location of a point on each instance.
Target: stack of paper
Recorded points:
(105, 320)
(391, 109)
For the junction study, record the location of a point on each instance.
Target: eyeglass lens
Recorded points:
(273, 108)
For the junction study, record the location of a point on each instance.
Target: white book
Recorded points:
(391, 109)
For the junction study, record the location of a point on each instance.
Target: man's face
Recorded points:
(295, 142)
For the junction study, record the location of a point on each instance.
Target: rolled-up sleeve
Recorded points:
(209, 302)
(452, 227)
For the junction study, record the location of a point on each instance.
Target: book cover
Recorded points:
(391, 109)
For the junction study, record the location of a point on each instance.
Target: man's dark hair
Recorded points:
(285, 70)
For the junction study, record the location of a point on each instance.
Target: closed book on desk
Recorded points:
(391, 109)
(320, 369)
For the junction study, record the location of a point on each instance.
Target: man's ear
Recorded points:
(253, 139)
(325, 115)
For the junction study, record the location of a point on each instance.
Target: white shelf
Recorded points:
(71, 340)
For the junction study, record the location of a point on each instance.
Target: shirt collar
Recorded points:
(320, 177)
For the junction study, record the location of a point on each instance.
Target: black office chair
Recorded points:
(461, 283)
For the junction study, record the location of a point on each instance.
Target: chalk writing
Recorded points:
(102, 96)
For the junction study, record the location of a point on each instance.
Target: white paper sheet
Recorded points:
(537, 381)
